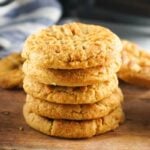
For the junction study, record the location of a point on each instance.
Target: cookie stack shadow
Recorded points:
(72, 97)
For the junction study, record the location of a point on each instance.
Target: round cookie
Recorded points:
(75, 112)
(11, 75)
(72, 46)
(70, 95)
(74, 129)
(72, 78)
(135, 68)
(11, 79)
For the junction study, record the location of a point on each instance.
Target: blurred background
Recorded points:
(130, 19)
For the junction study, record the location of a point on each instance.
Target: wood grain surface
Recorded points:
(134, 134)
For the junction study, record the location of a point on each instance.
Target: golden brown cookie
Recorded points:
(135, 68)
(72, 78)
(72, 46)
(11, 74)
(70, 95)
(73, 129)
(75, 112)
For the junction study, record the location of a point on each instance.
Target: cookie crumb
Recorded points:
(6, 113)
(53, 83)
(21, 128)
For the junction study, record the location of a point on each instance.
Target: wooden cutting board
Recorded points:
(134, 134)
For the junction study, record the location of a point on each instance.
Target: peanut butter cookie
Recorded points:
(72, 46)
(11, 75)
(75, 112)
(135, 68)
(70, 95)
(73, 129)
(72, 78)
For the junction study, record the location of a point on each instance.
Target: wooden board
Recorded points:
(134, 134)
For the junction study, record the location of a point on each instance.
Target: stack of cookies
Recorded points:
(70, 81)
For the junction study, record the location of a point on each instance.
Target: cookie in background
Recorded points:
(11, 75)
(135, 67)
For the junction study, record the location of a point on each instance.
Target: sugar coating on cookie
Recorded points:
(72, 46)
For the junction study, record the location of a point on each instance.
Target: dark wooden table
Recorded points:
(134, 134)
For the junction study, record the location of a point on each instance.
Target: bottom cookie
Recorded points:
(74, 129)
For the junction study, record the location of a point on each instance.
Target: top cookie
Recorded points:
(72, 46)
